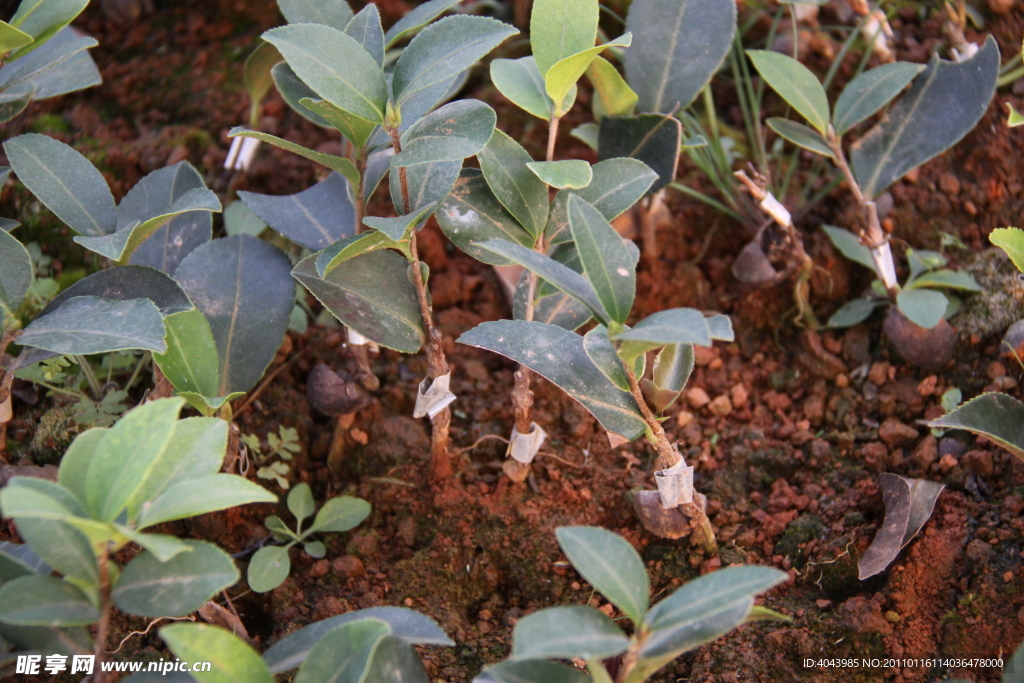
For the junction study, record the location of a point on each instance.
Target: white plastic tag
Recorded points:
(356, 339)
(774, 208)
(433, 397)
(964, 52)
(524, 447)
(241, 154)
(675, 485)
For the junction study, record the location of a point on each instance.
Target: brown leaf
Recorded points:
(908, 505)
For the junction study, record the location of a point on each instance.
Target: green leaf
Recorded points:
(923, 307)
(602, 354)
(256, 78)
(64, 641)
(315, 218)
(88, 324)
(340, 164)
(587, 133)
(356, 129)
(1010, 240)
(854, 312)
(616, 186)
(997, 417)
(75, 463)
(65, 181)
(315, 549)
(179, 586)
(412, 627)
(946, 278)
(395, 662)
(455, 131)
(162, 546)
(371, 294)
(16, 274)
(522, 83)
(428, 183)
(569, 173)
(679, 47)
(607, 262)
(849, 245)
(335, 66)
(800, 135)
(654, 139)
(671, 326)
(795, 83)
(672, 368)
(41, 19)
(471, 214)
(293, 91)
(45, 601)
(1014, 118)
(366, 29)
(268, 568)
(505, 165)
(201, 495)
(127, 283)
(562, 277)
(721, 327)
(61, 66)
(340, 514)
(231, 659)
(530, 671)
(11, 38)
(610, 564)
(562, 76)
(300, 501)
(870, 91)
(567, 632)
(344, 652)
(558, 355)
(417, 17)
(255, 277)
(560, 29)
(397, 228)
(943, 104)
(14, 100)
(18, 559)
(334, 13)
(191, 363)
(442, 51)
(240, 220)
(614, 97)
(350, 247)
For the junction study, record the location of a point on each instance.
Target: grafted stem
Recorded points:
(100, 642)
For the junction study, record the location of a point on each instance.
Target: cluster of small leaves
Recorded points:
(694, 614)
(271, 565)
(925, 298)
(282, 446)
(114, 483)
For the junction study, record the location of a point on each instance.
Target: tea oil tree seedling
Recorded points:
(374, 281)
(112, 486)
(270, 565)
(696, 613)
(603, 368)
(944, 102)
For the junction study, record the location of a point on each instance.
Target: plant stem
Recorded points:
(83, 363)
(361, 352)
(100, 643)
(437, 365)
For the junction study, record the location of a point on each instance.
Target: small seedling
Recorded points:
(271, 565)
(696, 613)
(282, 446)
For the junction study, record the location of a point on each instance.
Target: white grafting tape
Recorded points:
(433, 397)
(675, 485)
(524, 447)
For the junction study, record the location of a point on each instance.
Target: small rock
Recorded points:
(684, 418)
(892, 617)
(996, 370)
(697, 397)
(334, 393)
(950, 446)
(739, 396)
(926, 452)
(946, 463)
(979, 552)
(360, 436)
(721, 406)
(823, 604)
(927, 385)
(814, 409)
(348, 567)
(879, 373)
(875, 455)
(949, 184)
(979, 462)
(897, 434)
(929, 349)
(319, 569)
(842, 381)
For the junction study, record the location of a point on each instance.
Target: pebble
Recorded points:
(697, 397)
(842, 381)
(360, 436)
(739, 396)
(926, 452)
(949, 184)
(721, 406)
(979, 462)
(895, 433)
(684, 418)
(946, 463)
(319, 569)
(879, 373)
(927, 385)
(348, 566)
(996, 370)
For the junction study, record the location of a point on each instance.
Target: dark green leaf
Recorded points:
(504, 163)
(18, 559)
(870, 91)
(568, 173)
(397, 228)
(617, 184)
(607, 262)
(418, 16)
(531, 671)
(455, 131)
(602, 354)
(340, 164)
(849, 245)
(671, 326)
(350, 247)
(854, 312)
(179, 586)
(997, 417)
(61, 546)
(943, 105)
(59, 66)
(293, 90)
(923, 307)
(567, 632)
(428, 183)
(232, 661)
(651, 138)
(394, 661)
(191, 362)
(366, 29)
(800, 135)
(610, 564)
(16, 273)
(334, 13)
(45, 601)
(314, 218)
(88, 324)
(344, 652)
(795, 83)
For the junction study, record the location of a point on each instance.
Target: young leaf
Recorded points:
(340, 514)
(854, 312)
(350, 247)
(63, 67)
(255, 276)
(614, 97)
(531, 670)
(177, 587)
(201, 495)
(995, 416)
(569, 173)
(442, 51)
(65, 181)
(45, 601)
(610, 564)
(800, 135)
(567, 632)
(672, 368)
(397, 228)
(314, 218)
(795, 83)
(945, 278)
(679, 46)
(16, 274)
(315, 549)
(256, 78)
(455, 131)
(334, 13)
(87, 324)
(293, 91)
(587, 133)
(344, 653)
(357, 130)
(1010, 240)
(43, 18)
(554, 309)
(340, 164)
(412, 627)
(671, 326)
(335, 66)
(417, 17)
(923, 307)
(849, 245)
(558, 355)
(191, 363)
(268, 568)
(651, 138)
(522, 83)
(562, 76)
(721, 327)
(366, 29)
(11, 38)
(870, 91)
(471, 214)
(371, 294)
(601, 352)
(943, 105)
(607, 262)
(505, 166)
(232, 660)
(300, 501)
(560, 29)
